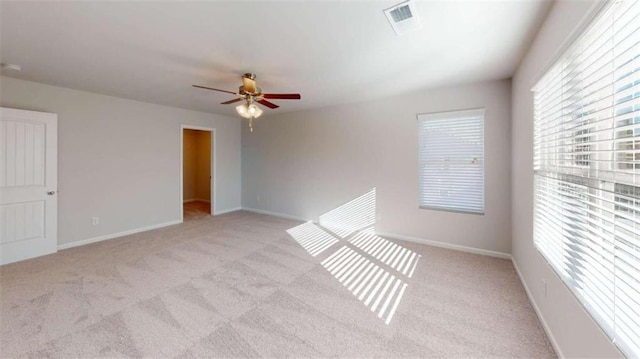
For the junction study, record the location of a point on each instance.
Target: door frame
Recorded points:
(212, 199)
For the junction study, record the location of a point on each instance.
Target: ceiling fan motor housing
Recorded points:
(249, 84)
(244, 92)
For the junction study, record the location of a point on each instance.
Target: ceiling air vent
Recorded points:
(403, 17)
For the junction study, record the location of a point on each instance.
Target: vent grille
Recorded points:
(401, 13)
(403, 17)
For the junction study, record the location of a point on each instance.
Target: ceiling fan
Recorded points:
(250, 93)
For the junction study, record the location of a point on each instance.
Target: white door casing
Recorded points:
(28, 184)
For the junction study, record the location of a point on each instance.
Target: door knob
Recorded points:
(51, 193)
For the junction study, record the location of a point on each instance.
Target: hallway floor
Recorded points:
(196, 210)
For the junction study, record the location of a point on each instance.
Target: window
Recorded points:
(587, 170)
(451, 161)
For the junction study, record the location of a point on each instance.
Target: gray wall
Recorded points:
(574, 332)
(306, 163)
(120, 159)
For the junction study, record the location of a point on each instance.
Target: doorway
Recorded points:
(198, 172)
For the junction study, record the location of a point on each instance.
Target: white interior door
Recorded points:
(28, 184)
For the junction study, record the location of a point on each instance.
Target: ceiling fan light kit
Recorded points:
(249, 111)
(250, 93)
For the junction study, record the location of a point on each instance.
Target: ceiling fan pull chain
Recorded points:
(251, 124)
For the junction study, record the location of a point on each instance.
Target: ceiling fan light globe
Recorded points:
(258, 112)
(243, 111)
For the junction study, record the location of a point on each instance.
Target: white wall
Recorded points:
(574, 332)
(120, 159)
(306, 163)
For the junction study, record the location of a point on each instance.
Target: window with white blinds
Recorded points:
(587, 170)
(451, 161)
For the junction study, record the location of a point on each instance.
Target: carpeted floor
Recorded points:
(249, 285)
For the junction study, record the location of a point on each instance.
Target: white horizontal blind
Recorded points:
(451, 161)
(587, 170)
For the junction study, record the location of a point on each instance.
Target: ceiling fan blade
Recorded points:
(282, 96)
(231, 101)
(211, 88)
(249, 85)
(268, 104)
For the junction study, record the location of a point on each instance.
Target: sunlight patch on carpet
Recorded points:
(374, 269)
(313, 239)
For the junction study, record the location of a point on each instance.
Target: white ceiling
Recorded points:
(330, 52)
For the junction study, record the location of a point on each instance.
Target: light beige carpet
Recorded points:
(249, 285)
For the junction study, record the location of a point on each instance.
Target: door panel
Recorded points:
(28, 164)
(24, 154)
(22, 221)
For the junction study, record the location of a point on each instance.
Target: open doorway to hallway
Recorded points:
(197, 172)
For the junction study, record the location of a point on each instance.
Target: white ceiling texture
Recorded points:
(331, 52)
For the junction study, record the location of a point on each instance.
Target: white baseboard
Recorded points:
(196, 200)
(547, 330)
(275, 214)
(398, 236)
(227, 211)
(116, 235)
(455, 247)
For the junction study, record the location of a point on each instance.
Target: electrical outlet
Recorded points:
(95, 220)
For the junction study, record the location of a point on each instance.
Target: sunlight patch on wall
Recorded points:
(352, 216)
(313, 239)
